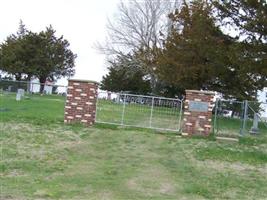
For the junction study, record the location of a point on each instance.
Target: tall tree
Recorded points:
(14, 54)
(42, 55)
(53, 58)
(249, 18)
(138, 24)
(198, 55)
(138, 30)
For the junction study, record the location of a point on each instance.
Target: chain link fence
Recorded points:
(139, 111)
(255, 118)
(235, 118)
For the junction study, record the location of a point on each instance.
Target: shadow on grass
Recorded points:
(129, 128)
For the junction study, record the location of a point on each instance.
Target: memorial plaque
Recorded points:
(197, 106)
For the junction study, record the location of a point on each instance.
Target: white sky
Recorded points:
(81, 22)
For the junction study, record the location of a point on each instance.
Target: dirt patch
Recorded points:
(14, 173)
(105, 195)
(166, 188)
(236, 167)
(152, 181)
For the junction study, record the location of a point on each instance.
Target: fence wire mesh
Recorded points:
(256, 119)
(228, 118)
(235, 118)
(139, 111)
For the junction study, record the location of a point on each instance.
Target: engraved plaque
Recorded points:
(197, 106)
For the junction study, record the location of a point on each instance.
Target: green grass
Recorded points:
(231, 127)
(34, 109)
(250, 156)
(42, 158)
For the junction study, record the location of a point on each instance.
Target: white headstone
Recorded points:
(254, 129)
(21, 92)
(18, 97)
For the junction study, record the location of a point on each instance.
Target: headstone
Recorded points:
(109, 95)
(21, 92)
(18, 97)
(254, 129)
(9, 88)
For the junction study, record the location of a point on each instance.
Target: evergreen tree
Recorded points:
(249, 18)
(42, 55)
(126, 75)
(53, 59)
(198, 55)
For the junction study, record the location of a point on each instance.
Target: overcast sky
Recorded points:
(81, 22)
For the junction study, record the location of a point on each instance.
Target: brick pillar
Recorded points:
(197, 113)
(81, 101)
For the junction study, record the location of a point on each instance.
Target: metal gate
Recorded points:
(139, 111)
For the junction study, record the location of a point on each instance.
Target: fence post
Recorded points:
(215, 117)
(180, 117)
(151, 112)
(123, 110)
(244, 117)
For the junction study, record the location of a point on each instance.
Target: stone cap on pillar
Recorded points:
(200, 92)
(84, 81)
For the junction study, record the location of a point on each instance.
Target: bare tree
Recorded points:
(137, 25)
(139, 29)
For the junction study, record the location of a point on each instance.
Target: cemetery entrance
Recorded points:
(139, 111)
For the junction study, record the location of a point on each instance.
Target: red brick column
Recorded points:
(197, 113)
(81, 101)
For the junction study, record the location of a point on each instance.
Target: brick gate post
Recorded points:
(80, 105)
(198, 113)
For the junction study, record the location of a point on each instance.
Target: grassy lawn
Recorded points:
(42, 158)
(34, 109)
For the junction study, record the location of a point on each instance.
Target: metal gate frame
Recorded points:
(125, 100)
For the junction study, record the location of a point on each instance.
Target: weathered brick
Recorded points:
(80, 95)
(201, 121)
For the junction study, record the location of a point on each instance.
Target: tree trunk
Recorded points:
(42, 80)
